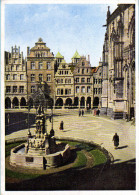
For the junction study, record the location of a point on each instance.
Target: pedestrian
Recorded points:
(116, 140)
(98, 112)
(79, 112)
(82, 112)
(61, 125)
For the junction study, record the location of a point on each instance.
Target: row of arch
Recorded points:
(78, 102)
(15, 103)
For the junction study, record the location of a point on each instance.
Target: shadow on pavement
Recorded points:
(18, 121)
(121, 147)
(116, 160)
(120, 176)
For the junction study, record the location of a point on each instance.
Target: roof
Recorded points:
(94, 70)
(58, 55)
(76, 55)
(63, 62)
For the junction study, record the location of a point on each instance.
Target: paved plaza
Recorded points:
(98, 129)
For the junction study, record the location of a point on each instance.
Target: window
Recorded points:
(17, 67)
(69, 91)
(87, 70)
(40, 77)
(95, 90)
(77, 80)
(21, 89)
(8, 77)
(61, 91)
(99, 91)
(32, 77)
(8, 89)
(21, 77)
(12, 67)
(66, 91)
(40, 65)
(88, 80)
(82, 80)
(83, 63)
(32, 89)
(58, 80)
(99, 81)
(58, 91)
(77, 89)
(78, 70)
(32, 65)
(95, 81)
(66, 80)
(88, 89)
(48, 78)
(83, 89)
(61, 80)
(69, 81)
(14, 76)
(82, 71)
(14, 89)
(48, 65)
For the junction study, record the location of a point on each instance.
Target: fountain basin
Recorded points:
(41, 160)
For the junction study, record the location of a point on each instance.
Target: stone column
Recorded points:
(85, 103)
(79, 103)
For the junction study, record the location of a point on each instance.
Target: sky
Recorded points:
(63, 27)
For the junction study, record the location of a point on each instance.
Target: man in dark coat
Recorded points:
(61, 125)
(79, 112)
(82, 112)
(116, 140)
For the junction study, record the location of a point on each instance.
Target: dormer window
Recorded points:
(83, 63)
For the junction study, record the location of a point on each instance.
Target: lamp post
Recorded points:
(52, 117)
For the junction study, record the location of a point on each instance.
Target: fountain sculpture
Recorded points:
(41, 151)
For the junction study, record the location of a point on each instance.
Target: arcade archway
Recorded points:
(96, 102)
(82, 104)
(59, 102)
(22, 102)
(15, 102)
(68, 102)
(7, 103)
(76, 101)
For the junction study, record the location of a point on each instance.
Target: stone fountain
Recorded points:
(41, 151)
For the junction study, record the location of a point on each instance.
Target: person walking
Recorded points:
(82, 112)
(61, 125)
(79, 112)
(116, 140)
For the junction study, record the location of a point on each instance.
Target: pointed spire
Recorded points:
(58, 55)
(76, 55)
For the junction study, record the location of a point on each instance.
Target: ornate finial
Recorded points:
(108, 12)
(40, 39)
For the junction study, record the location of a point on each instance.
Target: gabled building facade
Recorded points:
(15, 79)
(40, 68)
(83, 83)
(64, 85)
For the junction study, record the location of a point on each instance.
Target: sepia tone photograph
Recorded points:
(69, 97)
